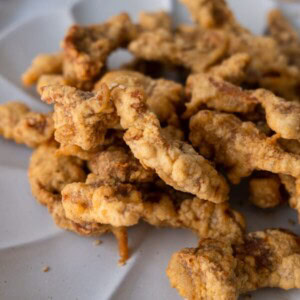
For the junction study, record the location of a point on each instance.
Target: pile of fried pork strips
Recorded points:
(129, 145)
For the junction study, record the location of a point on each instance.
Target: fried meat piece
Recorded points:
(49, 79)
(48, 175)
(188, 46)
(220, 269)
(80, 118)
(163, 96)
(43, 64)
(265, 191)
(122, 204)
(23, 126)
(213, 92)
(285, 35)
(240, 146)
(174, 161)
(282, 116)
(86, 48)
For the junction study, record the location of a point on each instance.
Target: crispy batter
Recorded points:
(119, 204)
(232, 69)
(220, 269)
(174, 161)
(43, 64)
(163, 96)
(117, 162)
(240, 146)
(210, 13)
(213, 92)
(265, 191)
(286, 36)
(49, 79)
(23, 126)
(149, 21)
(80, 118)
(188, 46)
(282, 116)
(86, 48)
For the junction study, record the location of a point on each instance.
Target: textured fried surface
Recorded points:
(43, 64)
(23, 126)
(188, 46)
(286, 36)
(213, 92)
(282, 116)
(163, 96)
(174, 161)
(240, 146)
(86, 48)
(49, 79)
(80, 118)
(149, 21)
(219, 269)
(265, 191)
(119, 204)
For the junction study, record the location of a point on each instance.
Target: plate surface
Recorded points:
(29, 240)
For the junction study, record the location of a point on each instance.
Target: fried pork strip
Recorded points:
(43, 64)
(240, 146)
(48, 175)
(86, 48)
(23, 126)
(221, 269)
(174, 161)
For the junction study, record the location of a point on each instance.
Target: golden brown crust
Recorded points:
(86, 48)
(174, 161)
(240, 146)
(23, 126)
(149, 21)
(189, 47)
(265, 191)
(220, 269)
(41, 65)
(49, 79)
(80, 118)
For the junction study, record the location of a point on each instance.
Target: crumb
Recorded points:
(97, 242)
(291, 222)
(46, 269)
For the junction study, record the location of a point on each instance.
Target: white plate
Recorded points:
(28, 239)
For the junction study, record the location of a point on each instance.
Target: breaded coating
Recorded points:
(282, 116)
(174, 161)
(80, 118)
(43, 64)
(240, 146)
(23, 126)
(188, 46)
(163, 96)
(232, 69)
(149, 21)
(220, 269)
(213, 92)
(117, 162)
(285, 35)
(86, 48)
(120, 204)
(266, 55)
(49, 79)
(210, 13)
(265, 191)
(49, 173)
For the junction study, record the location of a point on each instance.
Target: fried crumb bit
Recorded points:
(46, 269)
(291, 222)
(97, 242)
